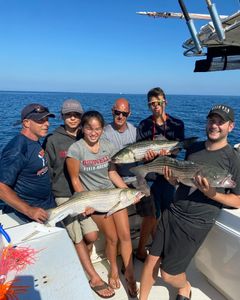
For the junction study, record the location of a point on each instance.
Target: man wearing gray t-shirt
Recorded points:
(122, 133)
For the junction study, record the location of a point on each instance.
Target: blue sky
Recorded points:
(103, 46)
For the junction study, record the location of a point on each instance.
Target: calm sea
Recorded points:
(191, 109)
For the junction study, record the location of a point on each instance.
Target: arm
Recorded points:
(73, 166)
(115, 177)
(226, 199)
(8, 195)
(50, 155)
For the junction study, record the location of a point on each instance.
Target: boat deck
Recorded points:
(201, 289)
(55, 278)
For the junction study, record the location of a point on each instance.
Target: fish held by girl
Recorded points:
(106, 201)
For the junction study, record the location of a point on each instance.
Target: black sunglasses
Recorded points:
(118, 113)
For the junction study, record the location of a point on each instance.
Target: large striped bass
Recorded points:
(136, 151)
(106, 201)
(185, 171)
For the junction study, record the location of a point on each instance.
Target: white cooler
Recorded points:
(57, 273)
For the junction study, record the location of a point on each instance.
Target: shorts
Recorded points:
(145, 207)
(176, 242)
(77, 226)
(163, 194)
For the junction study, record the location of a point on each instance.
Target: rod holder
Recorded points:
(191, 27)
(216, 20)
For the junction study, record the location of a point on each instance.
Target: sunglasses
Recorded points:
(155, 103)
(118, 113)
(72, 114)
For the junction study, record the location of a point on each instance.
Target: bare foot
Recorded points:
(114, 282)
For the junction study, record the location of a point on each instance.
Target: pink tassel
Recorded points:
(16, 258)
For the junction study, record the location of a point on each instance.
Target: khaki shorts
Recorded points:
(77, 226)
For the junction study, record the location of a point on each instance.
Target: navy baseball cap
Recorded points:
(35, 112)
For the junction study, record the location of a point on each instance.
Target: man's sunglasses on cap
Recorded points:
(38, 109)
(118, 113)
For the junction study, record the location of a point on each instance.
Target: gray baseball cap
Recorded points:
(71, 105)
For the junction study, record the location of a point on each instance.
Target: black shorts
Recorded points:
(176, 242)
(145, 207)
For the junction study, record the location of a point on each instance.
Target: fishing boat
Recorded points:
(55, 272)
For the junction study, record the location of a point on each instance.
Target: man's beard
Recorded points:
(214, 140)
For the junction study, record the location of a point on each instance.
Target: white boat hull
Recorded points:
(219, 256)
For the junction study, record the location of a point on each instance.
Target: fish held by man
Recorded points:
(136, 151)
(106, 201)
(185, 172)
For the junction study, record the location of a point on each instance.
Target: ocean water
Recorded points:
(192, 109)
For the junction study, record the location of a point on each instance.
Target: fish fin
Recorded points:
(160, 137)
(141, 184)
(192, 190)
(138, 172)
(59, 217)
(113, 209)
(237, 147)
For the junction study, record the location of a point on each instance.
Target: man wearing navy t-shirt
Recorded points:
(24, 178)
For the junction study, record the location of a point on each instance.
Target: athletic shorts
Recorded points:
(145, 207)
(163, 193)
(176, 242)
(77, 226)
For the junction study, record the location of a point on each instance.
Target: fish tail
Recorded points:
(188, 142)
(50, 212)
(56, 215)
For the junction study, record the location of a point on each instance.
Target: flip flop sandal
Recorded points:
(180, 297)
(132, 288)
(101, 287)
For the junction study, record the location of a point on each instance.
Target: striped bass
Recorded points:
(185, 171)
(136, 151)
(106, 201)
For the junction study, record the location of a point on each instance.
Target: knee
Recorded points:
(125, 237)
(166, 277)
(112, 241)
(91, 237)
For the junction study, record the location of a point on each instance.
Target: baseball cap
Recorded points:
(36, 112)
(224, 111)
(71, 105)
